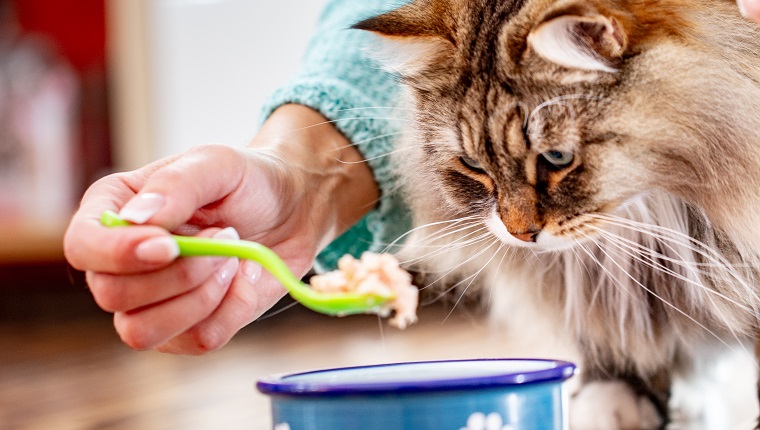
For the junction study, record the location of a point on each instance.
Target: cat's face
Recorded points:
(536, 167)
(540, 117)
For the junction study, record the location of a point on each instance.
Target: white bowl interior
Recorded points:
(422, 372)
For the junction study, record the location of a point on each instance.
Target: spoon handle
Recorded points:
(191, 246)
(326, 303)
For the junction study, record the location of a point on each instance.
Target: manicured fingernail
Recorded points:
(225, 274)
(252, 270)
(157, 250)
(227, 233)
(742, 7)
(142, 207)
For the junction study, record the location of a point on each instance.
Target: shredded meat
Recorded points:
(374, 274)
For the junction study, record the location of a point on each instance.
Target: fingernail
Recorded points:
(227, 272)
(142, 207)
(742, 8)
(252, 270)
(157, 250)
(227, 233)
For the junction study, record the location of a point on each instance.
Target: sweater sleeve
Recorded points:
(339, 81)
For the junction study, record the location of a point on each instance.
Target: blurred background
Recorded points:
(89, 87)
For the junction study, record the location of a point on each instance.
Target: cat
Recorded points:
(597, 162)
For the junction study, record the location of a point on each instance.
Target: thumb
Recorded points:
(750, 9)
(173, 193)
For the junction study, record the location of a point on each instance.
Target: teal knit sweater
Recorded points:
(339, 81)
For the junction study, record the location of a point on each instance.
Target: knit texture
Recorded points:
(338, 80)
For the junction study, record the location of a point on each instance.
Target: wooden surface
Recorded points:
(24, 242)
(73, 373)
(77, 375)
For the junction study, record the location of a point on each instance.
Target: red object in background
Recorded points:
(77, 30)
(76, 27)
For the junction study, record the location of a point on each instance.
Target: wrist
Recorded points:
(330, 178)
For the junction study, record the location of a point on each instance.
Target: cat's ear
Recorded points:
(413, 37)
(587, 41)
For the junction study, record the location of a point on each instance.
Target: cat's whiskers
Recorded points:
(571, 299)
(572, 306)
(627, 250)
(624, 253)
(660, 232)
(371, 139)
(453, 223)
(272, 313)
(449, 247)
(563, 101)
(363, 108)
(435, 250)
(335, 121)
(715, 260)
(475, 275)
(504, 254)
(692, 266)
(595, 259)
(377, 157)
(726, 272)
(439, 250)
(654, 294)
(462, 224)
(453, 269)
(653, 255)
(720, 313)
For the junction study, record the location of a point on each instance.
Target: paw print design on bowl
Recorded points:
(481, 421)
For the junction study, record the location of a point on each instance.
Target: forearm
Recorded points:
(338, 81)
(329, 171)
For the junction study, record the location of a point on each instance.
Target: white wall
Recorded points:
(209, 64)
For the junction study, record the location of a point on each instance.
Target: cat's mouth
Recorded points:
(543, 240)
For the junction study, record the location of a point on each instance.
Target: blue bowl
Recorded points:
(488, 394)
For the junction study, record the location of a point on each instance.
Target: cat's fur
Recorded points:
(643, 241)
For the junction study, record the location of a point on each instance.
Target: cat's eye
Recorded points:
(471, 163)
(559, 159)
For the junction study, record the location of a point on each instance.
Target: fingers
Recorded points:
(750, 9)
(188, 324)
(123, 293)
(92, 247)
(149, 327)
(187, 305)
(190, 320)
(89, 246)
(172, 194)
(249, 296)
(152, 308)
(167, 193)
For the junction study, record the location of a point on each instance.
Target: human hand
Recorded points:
(750, 9)
(289, 191)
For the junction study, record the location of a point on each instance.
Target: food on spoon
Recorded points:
(374, 274)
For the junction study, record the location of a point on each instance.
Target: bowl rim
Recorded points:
(281, 385)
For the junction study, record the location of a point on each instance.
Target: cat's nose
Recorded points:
(526, 237)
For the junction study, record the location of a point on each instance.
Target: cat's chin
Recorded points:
(545, 241)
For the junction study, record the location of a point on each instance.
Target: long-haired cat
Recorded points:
(598, 161)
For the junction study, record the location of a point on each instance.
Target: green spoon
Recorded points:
(336, 304)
